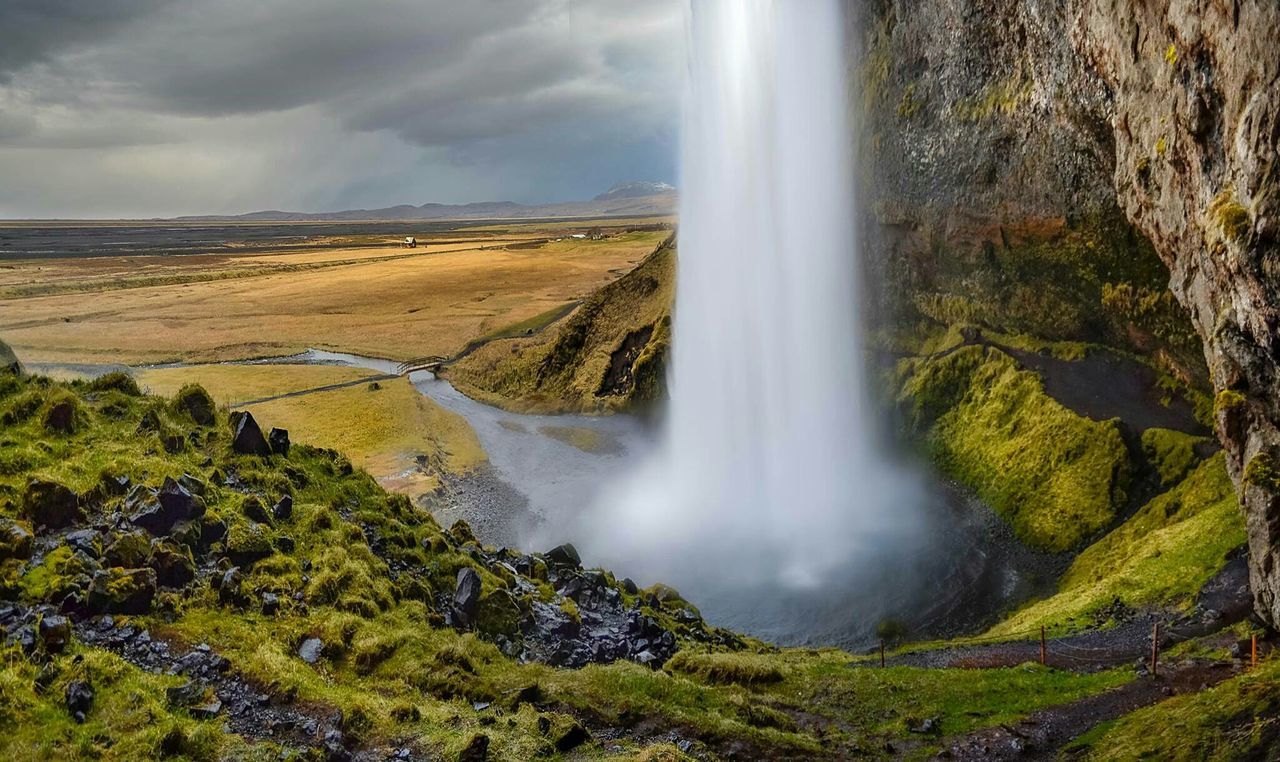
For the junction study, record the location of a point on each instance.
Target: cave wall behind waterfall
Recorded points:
(1091, 169)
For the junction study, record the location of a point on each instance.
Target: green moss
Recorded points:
(1228, 399)
(1263, 471)
(1231, 721)
(1172, 453)
(1056, 477)
(1230, 217)
(1005, 98)
(1161, 556)
(129, 718)
(908, 106)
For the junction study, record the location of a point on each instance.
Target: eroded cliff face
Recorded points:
(989, 158)
(1029, 161)
(1196, 125)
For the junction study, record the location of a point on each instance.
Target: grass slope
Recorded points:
(1162, 555)
(1237, 720)
(389, 663)
(382, 430)
(1058, 478)
(623, 329)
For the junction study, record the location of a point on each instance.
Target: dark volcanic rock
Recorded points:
(283, 509)
(246, 436)
(254, 510)
(55, 633)
(466, 596)
(51, 505)
(174, 504)
(173, 564)
(279, 442)
(79, 699)
(564, 555)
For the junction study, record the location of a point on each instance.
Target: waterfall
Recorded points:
(770, 472)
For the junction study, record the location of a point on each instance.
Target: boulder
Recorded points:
(122, 591)
(247, 544)
(127, 549)
(310, 650)
(573, 736)
(246, 436)
(55, 633)
(278, 439)
(175, 504)
(185, 695)
(193, 485)
(564, 556)
(15, 542)
(51, 505)
(283, 509)
(466, 596)
(79, 699)
(229, 585)
(88, 541)
(172, 563)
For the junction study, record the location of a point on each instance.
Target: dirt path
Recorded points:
(1222, 602)
(1043, 734)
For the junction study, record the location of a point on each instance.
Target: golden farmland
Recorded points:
(378, 299)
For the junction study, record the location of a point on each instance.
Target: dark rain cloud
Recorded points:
(558, 94)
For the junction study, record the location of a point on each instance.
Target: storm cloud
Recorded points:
(162, 107)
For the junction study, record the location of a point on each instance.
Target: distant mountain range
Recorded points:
(629, 199)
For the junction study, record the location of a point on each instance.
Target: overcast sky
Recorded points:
(140, 108)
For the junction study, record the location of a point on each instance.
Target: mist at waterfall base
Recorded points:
(770, 489)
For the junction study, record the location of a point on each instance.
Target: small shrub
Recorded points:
(117, 381)
(726, 669)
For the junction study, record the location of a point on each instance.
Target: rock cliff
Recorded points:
(1030, 160)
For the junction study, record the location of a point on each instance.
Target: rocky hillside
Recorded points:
(608, 355)
(177, 581)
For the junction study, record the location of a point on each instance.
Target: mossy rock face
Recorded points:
(51, 505)
(122, 591)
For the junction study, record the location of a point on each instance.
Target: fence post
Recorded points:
(882, 653)
(1044, 648)
(1155, 648)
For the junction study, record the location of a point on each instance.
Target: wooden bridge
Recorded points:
(431, 364)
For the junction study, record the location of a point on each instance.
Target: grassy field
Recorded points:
(381, 301)
(383, 430)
